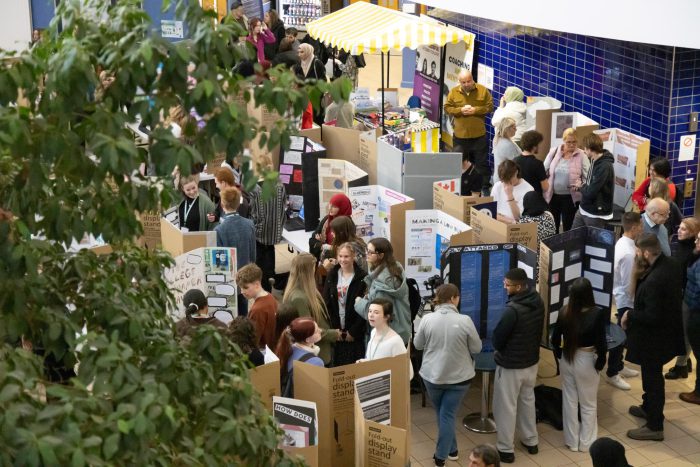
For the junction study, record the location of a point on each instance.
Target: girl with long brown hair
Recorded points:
(301, 293)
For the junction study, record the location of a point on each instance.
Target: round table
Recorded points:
(481, 422)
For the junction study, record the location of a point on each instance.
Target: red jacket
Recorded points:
(640, 194)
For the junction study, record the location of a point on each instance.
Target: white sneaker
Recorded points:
(618, 382)
(628, 373)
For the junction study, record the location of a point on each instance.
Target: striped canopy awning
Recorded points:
(364, 27)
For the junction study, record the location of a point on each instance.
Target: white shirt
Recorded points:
(388, 345)
(622, 274)
(499, 195)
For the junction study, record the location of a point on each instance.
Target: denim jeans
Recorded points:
(446, 398)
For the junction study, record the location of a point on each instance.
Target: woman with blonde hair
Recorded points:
(301, 293)
(344, 231)
(566, 165)
(658, 188)
(503, 146)
(194, 206)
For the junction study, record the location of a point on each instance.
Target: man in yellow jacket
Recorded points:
(468, 104)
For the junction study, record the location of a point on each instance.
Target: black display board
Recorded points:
(478, 271)
(584, 252)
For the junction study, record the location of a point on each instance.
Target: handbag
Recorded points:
(360, 60)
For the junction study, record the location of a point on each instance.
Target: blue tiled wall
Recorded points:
(646, 89)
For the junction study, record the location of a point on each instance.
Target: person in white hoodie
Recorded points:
(512, 106)
(447, 339)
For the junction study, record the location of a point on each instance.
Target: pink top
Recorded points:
(265, 37)
(575, 171)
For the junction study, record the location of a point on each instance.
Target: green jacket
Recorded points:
(206, 205)
(300, 302)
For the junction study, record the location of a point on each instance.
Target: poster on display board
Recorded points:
(298, 419)
(429, 233)
(337, 176)
(563, 120)
(339, 438)
(426, 82)
(584, 252)
(478, 271)
(211, 270)
(488, 229)
(631, 154)
(458, 57)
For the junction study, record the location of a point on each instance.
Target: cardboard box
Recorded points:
(177, 242)
(489, 230)
(332, 389)
(357, 147)
(454, 204)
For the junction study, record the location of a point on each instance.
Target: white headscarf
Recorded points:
(306, 64)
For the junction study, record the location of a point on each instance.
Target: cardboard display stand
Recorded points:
(429, 233)
(584, 252)
(631, 155)
(563, 120)
(487, 229)
(337, 176)
(299, 174)
(333, 391)
(414, 173)
(177, 242)
(539, 117)
(213, 271)
(478, 271)
(380, 212)
(357, 147)
(151, 238)
(266, 381)
(446, 197)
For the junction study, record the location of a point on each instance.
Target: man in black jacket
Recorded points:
(654, 331)
(596, 206)
(517, 342)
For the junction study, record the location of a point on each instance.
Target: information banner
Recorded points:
(426, 82)
(458, 57)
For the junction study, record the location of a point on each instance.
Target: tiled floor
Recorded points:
(682, 429)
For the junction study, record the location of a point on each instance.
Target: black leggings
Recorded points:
(563, 209)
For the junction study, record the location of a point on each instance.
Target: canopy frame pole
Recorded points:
(382, 109)
(388, 65)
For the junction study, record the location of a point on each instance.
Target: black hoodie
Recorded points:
(597, 191)
(519, 332)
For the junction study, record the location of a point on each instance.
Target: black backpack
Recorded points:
(288, 383)
(414, 298)
(548, 406)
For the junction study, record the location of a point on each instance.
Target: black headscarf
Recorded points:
(534, 204)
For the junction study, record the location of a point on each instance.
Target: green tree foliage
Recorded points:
(69, 167)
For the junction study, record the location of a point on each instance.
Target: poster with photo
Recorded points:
(213, 271)
(298, 419)
(428, 235)
(337, 176)
(631, 154)
(426, 82)
(563, 120)
(371, 209)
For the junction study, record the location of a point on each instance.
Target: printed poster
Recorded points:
(426, 82)
(374, 393)
(458, 57)
(298, 419)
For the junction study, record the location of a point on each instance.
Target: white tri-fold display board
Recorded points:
(631, 153)
(337, 176)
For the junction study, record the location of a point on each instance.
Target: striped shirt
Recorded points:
(268, 216)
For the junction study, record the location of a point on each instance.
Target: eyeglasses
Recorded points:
(371, 252)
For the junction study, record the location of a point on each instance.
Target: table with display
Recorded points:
(297, 240)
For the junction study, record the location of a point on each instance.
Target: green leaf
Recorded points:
(123, 426)
(111, 445)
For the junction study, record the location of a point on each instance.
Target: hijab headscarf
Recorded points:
(534, 204)
(344, 206)
(306, 63)
(513, 94)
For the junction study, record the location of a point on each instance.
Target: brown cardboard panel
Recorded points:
(583, 130)
(489, 230)
(398, 228)
(545, 258)
(256, 150)
(378, 445)
(151, 237)
(266, 381)
(102, 249)
(334, 393)
(543, 124)
(455, 205)
(309, 454)
(642, 163)
(368, 154)
(354, 146)
(177, 242)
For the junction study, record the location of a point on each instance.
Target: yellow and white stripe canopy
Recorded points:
(364, 27)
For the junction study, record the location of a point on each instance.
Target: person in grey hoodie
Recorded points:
(386, 279)
(447, 339)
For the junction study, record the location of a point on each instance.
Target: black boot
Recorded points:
(677, 372)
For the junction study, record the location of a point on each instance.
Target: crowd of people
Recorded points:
(347, 301)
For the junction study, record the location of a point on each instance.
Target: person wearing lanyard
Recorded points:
(195, 206)
(384, 342)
